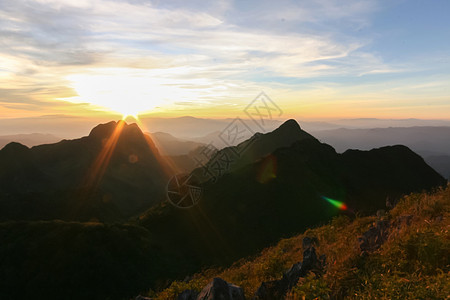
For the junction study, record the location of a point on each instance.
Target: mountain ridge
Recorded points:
(255, 148)
(103, 168)
(283, 193)
(286, 184)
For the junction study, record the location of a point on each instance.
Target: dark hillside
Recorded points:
(113, 173)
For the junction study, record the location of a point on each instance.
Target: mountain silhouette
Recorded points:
(251, 150)
(116, 172)
(432, 142)
(113, 173)
(32, 139)
(283, 190)
(280, 184)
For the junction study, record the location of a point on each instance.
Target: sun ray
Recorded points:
(170, 168)
(98, 168)
(95, 172)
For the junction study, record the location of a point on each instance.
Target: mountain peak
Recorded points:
(129, 137)
(15, 147)
(105, 130)
(290, 125)
(290, 130)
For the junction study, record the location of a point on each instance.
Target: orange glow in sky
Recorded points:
(367, 60)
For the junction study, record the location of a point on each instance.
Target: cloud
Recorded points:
(80, 32)
(177, 52)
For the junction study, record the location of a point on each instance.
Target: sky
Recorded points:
(314, 59)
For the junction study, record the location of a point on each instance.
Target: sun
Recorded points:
(130, 117)
(122, 92)
(127, 114)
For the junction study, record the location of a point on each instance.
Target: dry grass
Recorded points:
(414, 262)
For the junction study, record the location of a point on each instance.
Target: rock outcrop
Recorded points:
(142, 298)
(373, 238)
(217, 289)
(188, 295)
(277, 289)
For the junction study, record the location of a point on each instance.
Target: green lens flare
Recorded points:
(336, 203)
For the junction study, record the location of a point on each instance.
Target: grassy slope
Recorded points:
(414, 263)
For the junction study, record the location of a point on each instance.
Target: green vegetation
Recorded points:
(414, 263)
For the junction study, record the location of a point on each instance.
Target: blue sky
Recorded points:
(316, 59)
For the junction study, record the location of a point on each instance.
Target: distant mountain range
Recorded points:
(385, 123)
(272, 185)
(30, 140)
(167, 144)
(187, 127)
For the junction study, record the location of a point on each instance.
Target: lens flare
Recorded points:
(339, 204)
(268, 170)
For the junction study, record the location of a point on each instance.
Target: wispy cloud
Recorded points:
(159, 52)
